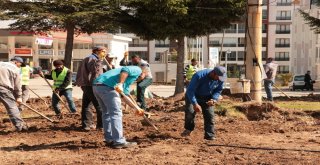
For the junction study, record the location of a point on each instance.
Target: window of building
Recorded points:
(23, 44)
(241, 55)
(215, 41)
(230, 42)
(282, 69)
(284, 2)
(241, 28)
(282, 42)
(158, 57)
(283, 15)
(282, 56)
(231, 29)
(264, 28)
(283, 29)
(3, 43)
(264, 41)
(264, 55)
(136, 42)
(231, 56)
(241, 42)
(162, 43)
(264, 14)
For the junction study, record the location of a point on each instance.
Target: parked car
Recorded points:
(297, 83)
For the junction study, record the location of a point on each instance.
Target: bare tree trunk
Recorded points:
(180, 66)
(69, 45)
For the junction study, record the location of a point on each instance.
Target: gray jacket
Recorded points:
(10, 78)
(90, 69)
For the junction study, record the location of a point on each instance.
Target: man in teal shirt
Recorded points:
(109, 99)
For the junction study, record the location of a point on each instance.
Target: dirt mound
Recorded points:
(255, 111)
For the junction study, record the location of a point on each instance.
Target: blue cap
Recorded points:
(18, 59)
(221, 72)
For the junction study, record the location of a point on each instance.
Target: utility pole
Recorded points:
(253, 52)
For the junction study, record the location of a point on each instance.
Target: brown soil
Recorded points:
(269, 135)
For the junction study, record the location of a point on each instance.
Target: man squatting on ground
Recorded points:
(62, 85)
(202, 93)
(106, 88)
(145, 79)
(90, 69)
(10, 91)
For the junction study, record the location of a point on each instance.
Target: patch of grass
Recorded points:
(227, 109)
(299, 105)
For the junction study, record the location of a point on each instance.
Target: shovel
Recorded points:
(133, 105)
(44, 116)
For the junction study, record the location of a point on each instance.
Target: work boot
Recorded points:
(186, 133)
(91, 127)
(22, 127)
(124, 145)
(210, 138)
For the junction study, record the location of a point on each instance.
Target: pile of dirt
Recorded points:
(256, 111)
(311, 97)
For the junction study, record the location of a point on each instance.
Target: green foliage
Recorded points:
(313, 22)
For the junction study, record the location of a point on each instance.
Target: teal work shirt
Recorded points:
(111, 77)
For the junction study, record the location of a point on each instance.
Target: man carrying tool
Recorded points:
(144, 81)
(10, 91)
(106, 89)
(25, 72)
(61, 77)
(90, 69)
(189, 71)
(202, 94)
(271, 71)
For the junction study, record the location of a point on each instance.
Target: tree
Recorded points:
(176, 19)
(72, 16)
(313, 22)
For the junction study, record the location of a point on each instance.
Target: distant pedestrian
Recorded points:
(271, 71)
(202, 93)
(189, 71)
(10, 91)
(90, 68)
(308, 81)
(62, 85)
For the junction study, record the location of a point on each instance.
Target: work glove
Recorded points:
(19, 100)
(119, 87)
(41, 74)
(57, 90)
(139, 112)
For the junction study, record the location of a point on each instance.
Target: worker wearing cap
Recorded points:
(10, 91)
(106, 88)
(108, 62)
(62, 85)
(25, 72)
(202, 93)
(90, 68)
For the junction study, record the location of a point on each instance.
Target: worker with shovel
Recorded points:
(202, 94)
(61, 77)
(10, 91)
(107, 89)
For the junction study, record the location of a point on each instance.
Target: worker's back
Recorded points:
(9, 76)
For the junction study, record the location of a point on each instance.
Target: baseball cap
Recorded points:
(98, 48)
(18, 59)
(221, 72)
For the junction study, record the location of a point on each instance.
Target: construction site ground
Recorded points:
(245, 134)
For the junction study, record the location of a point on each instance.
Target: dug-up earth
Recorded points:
(259, 135)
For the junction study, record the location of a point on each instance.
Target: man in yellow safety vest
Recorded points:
(190, 70)
(62, 85)
(25, 72)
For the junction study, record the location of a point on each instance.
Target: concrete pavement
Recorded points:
(39, 86)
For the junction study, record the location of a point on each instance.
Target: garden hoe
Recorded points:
(138, 110)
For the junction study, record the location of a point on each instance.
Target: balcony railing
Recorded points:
(282, 31)
(284, 18)
(284, 4)
(161, 45)
(282, 59)
(138, 45)
(282, 45)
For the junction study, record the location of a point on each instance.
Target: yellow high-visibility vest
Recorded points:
(25, 75)
(57, 81)
(190, 72)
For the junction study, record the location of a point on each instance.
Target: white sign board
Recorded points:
(44, 41)
(213, 57)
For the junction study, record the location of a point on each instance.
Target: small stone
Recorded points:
(219, 150)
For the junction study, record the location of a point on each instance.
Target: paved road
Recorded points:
(39, 86)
